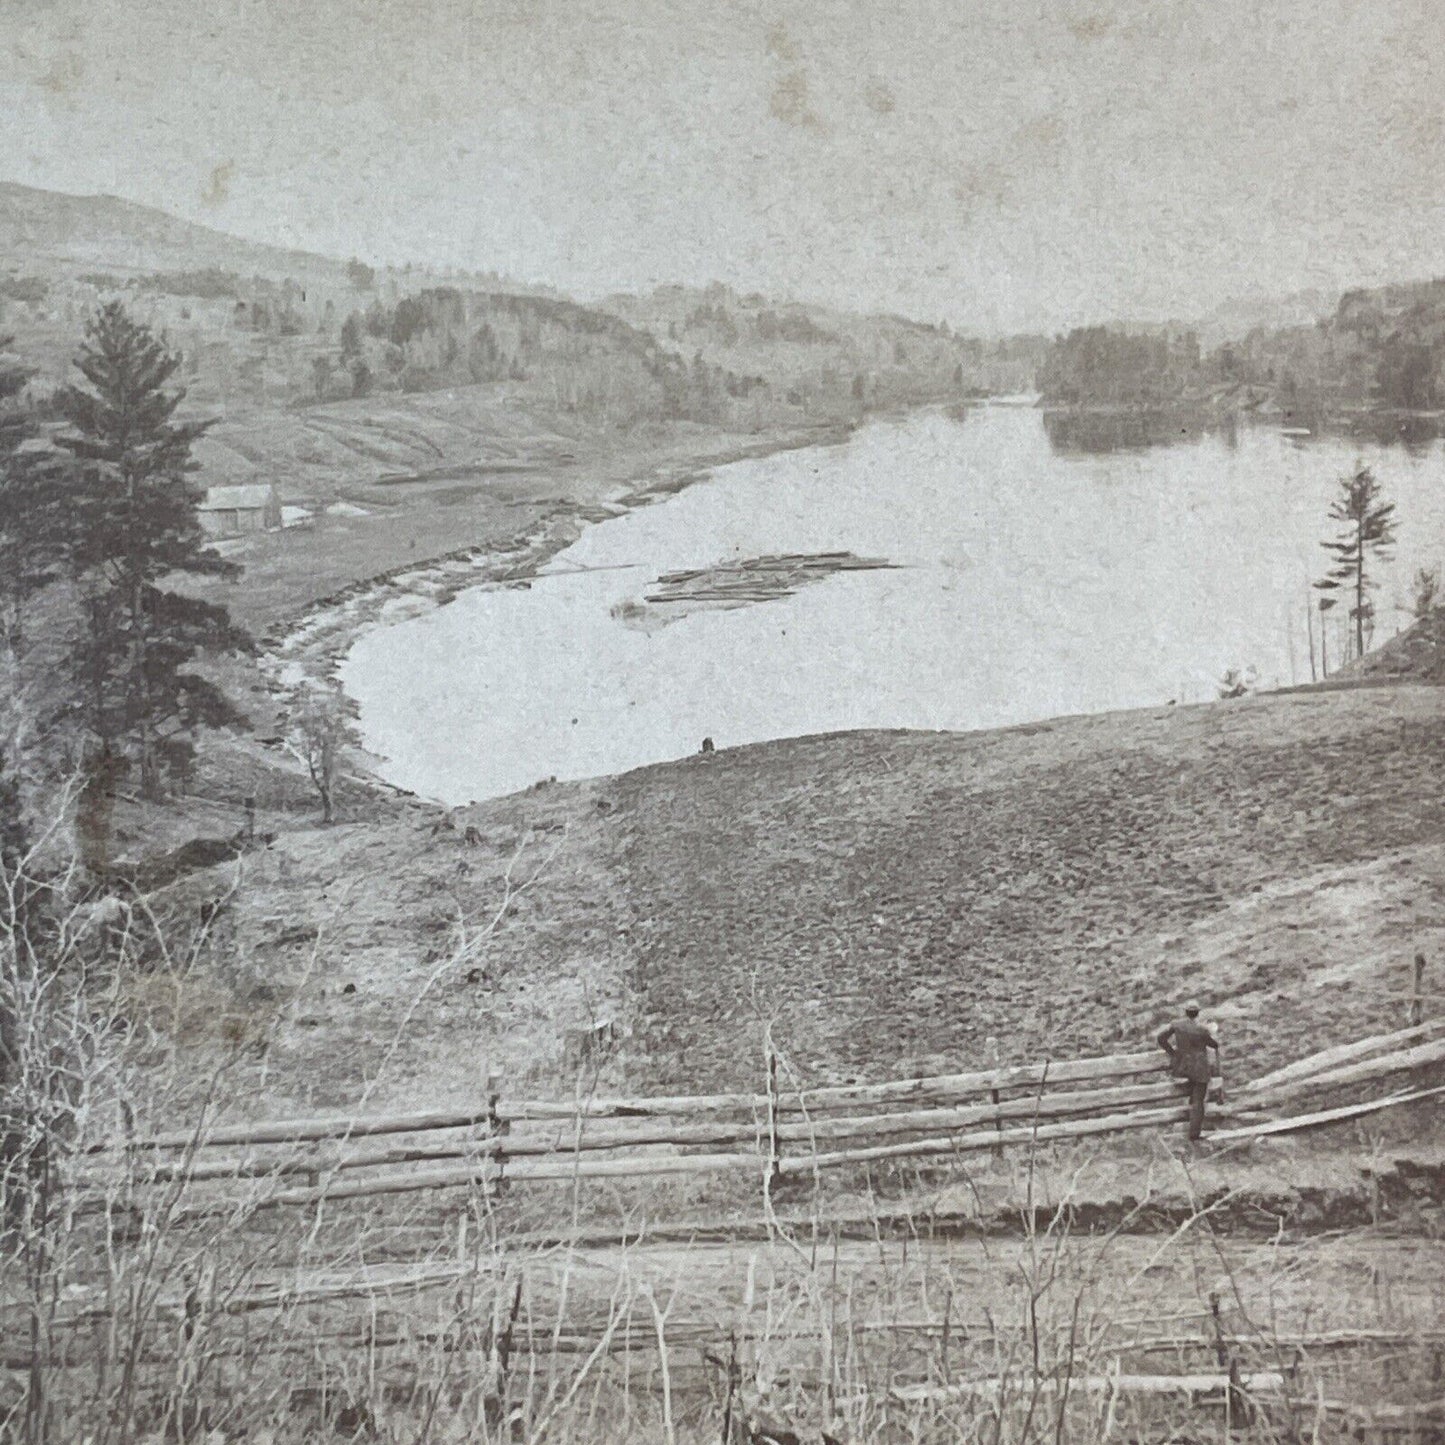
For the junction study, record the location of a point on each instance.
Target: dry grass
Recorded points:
(289, 1328)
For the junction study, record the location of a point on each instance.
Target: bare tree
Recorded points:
(320, 725)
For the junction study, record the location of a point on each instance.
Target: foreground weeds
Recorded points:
(141, 1303)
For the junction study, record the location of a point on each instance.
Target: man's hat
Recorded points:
(1191, 1007)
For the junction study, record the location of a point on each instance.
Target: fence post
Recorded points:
(496, 1126)
(993, 1094)
(1417, 1002)
(775, 1162)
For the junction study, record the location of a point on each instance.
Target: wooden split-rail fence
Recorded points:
(780, 1134)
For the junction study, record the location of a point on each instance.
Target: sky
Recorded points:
(1001, 164)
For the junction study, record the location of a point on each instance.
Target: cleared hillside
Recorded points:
(889, 901)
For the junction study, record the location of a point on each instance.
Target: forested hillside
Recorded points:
(816, 352)
(262, 328)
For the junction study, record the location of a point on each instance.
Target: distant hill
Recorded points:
(49, 230)
(1243, 314)
(263, 327)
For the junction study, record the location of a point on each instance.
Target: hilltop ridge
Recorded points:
(109, 231)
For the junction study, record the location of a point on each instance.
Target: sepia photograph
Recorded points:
(722, 723)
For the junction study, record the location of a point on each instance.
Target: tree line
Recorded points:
(1102, 366)
(1381, 350)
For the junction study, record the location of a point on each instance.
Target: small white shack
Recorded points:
(236, 511)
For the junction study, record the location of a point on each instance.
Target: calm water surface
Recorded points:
(1032, 582)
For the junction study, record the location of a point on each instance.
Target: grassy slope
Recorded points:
(900, 899)
(891, 900)
(1418, 652)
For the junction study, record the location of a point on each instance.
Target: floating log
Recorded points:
(757, 579)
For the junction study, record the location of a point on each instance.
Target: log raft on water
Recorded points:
(757, 579)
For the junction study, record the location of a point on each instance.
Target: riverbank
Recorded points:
(494, 503)
(889, 901)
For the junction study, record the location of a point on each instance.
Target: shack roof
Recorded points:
(255, 496)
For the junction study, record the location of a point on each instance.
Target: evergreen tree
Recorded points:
(1367, 533)
(351, 334)
(137, 526)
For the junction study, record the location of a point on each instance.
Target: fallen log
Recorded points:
(1325, 1116)
(1197, 1387)
(943, 1087)
(1397, 1062)
(964, 1143)
(77, 1312)
(575, 1167)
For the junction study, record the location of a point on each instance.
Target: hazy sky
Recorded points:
(1000, 163)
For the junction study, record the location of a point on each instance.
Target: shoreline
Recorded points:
(1343, 421)
(313, 641)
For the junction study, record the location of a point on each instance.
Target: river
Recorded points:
(1031, 579)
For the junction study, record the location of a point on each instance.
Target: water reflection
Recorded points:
(1415, 432)
(1096, 433)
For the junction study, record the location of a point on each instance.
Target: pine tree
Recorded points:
(136, 526)
(1367, 532)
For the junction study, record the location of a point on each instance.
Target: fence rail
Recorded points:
(784, 1134)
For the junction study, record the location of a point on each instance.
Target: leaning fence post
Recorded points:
(1417, 1001)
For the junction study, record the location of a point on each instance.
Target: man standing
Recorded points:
(1187, 1043)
